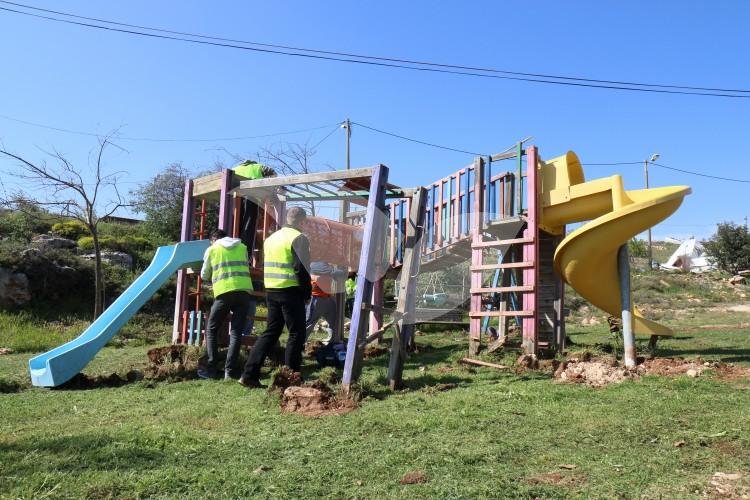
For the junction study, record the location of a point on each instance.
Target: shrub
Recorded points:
(730, 247)
(637, 248)
(72, 229)
(10, 253)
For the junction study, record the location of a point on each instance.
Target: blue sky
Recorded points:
(90, 80)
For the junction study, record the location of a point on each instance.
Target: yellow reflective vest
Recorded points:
(278, 260)
(249, 170)
(229, 269)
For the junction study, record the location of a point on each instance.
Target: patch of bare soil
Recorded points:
(557, 479)
(601, 372)
(376, 350)
(414, 477)
(727, 485)
(314, 400)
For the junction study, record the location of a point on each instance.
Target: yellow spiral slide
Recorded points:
(587, 258)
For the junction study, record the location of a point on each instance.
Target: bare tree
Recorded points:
(63, 190)
(290, 159)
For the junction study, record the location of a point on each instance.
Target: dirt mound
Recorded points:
(594, 373)
(314, 400)
(174, 363)
(311, 348)
(601, 372)
(283, 379)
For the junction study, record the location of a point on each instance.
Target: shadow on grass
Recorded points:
(73, 454)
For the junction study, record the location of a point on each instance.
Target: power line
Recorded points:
(376, 58)
(338, 125)
(427, 67)
(148, 139)
(417, 140)
(691, 172)
(700, 174)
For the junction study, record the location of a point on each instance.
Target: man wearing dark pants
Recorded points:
(286, 261)
(225, 265)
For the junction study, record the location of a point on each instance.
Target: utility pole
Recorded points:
(654, 157)
(344, 206)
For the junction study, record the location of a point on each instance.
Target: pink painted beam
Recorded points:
(531, 252)
(186, 234)
(475, 322)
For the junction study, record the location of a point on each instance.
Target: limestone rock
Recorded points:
(14, 288)
(115, 258)
(48, 241)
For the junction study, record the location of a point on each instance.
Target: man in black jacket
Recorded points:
(286, 260)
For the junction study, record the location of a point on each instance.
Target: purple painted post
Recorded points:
(369, 259)
(186, 234)
(225, 201)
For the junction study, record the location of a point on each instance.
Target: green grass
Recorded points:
(497, 434)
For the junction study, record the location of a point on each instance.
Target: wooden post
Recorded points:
(225, 201)
(440, 216)
(186, 234)
(475, 322)
(369, 259)
(531, 254)
(376, 317)
(560, 306)
(628, 338)
(467, 207)
(407, 288)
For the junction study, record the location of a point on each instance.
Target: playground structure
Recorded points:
(505, 213)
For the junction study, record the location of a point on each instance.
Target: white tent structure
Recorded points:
(689, 256)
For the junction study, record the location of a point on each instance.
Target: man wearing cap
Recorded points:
(286, 260)
(225, 265)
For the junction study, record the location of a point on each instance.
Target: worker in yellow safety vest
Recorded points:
(286, 264)
(225, 266)
(351, 287)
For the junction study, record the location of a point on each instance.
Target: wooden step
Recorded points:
(503, 289)
(507, 265)
(497, 314)
(499, 243)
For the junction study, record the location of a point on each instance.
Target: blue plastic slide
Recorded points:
(63, 363)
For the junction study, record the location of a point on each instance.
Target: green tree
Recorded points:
(160, 200)
(730, 247)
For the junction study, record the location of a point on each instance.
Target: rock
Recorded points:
(45, 242)
(115, 258)
(737, 280)
(692, 372)
(14, 288)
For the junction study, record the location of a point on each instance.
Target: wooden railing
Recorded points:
(449, 210)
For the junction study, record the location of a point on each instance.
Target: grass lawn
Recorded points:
(496, 434)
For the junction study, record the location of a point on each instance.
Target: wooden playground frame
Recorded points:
(463, 216)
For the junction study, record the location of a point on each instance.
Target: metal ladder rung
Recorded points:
(507, 265)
